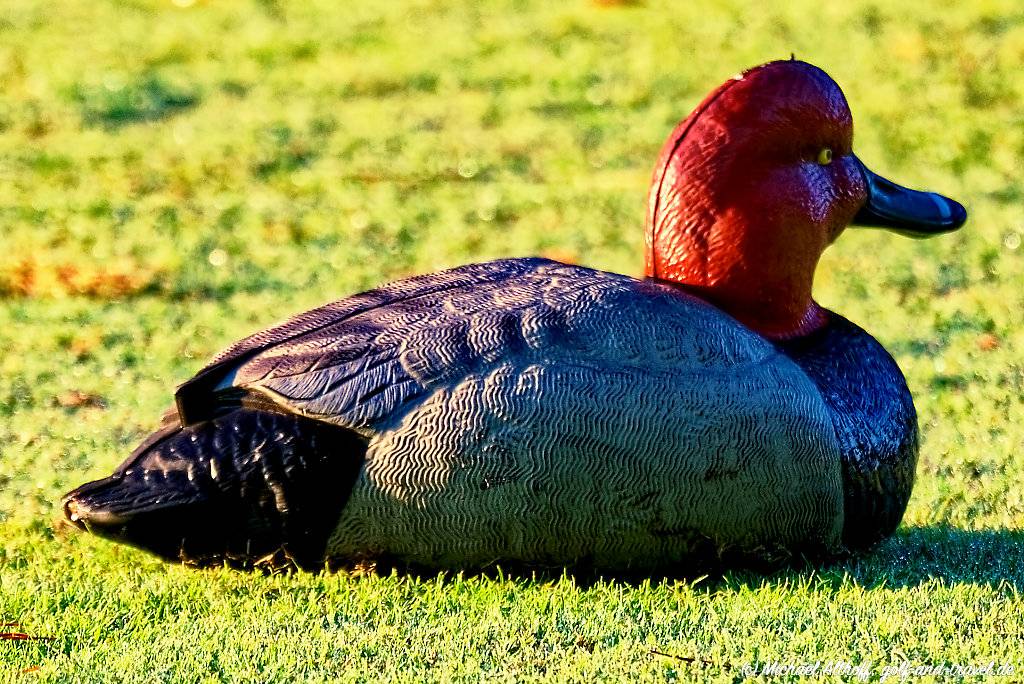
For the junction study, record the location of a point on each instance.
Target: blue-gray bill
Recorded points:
(909, 212)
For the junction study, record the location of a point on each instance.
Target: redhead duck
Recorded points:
(530, 411)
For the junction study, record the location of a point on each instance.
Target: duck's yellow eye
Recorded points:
(825, 156)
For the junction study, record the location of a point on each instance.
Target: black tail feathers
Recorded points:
(244, 487)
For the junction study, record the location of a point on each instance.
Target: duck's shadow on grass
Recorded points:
(940, 553)
(914, 556)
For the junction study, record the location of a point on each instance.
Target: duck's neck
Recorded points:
(765, 284)
(776, 318)
(776, 308)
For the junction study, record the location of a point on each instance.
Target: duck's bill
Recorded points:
(909, 212)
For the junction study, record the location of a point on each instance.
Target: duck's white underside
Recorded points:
(557, 414)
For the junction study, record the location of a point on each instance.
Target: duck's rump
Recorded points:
(245, 486)
(526, 410)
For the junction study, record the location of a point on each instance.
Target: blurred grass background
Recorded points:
(174, 175)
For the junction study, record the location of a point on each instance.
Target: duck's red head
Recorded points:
(752, 187)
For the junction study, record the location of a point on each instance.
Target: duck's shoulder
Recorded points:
(586, 313)
(359, 358)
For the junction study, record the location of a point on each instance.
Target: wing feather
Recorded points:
(361, 362)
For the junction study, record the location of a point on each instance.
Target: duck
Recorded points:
(527, 411)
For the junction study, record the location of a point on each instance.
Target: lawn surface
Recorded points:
(175, 175)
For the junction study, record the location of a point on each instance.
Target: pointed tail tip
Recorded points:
(73, 512)
(123, 510)
(83, 508)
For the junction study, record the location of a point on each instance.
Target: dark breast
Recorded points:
(875, 422)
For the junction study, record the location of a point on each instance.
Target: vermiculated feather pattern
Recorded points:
(528, 411)
(534, 411)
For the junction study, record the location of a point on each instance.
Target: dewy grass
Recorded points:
(174, 175)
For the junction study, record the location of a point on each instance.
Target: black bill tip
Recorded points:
(909, 212)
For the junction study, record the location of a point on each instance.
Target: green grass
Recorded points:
(172, 178)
